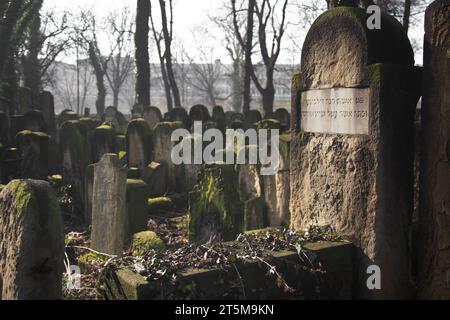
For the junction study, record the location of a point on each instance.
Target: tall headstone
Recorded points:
(32, 242)
(47, 107)
(34, 121)
(162, 152)
(139, 144)
(25, 100)
(434, 236)
(152, 116)
(34, 151)
(103, 141)
(352, 150)
(109, 206)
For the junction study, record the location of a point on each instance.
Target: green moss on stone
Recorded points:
(160, 205)
(269, 124)
(215, 200)
(144, 242)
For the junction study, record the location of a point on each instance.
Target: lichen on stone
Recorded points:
(146, 241)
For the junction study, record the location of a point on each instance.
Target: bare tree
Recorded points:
(121, 64)
(206, 72)
(142, 53)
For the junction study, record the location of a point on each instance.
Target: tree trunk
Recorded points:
(166, 86)
(168, 54)
(142, 55)
(100, 78)
(268, 99)
(236, 79)
(247, 98)
(407, 15)
(32, 66)
(116, 98)
(7, 31)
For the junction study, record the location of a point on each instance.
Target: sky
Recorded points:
(192, 14)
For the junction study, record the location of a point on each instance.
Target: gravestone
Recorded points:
(17, 124)
(283, 116)
(178, 115)
(276, 188)
(4, 128)
(352, 148)
(88, 193)
(162, 152)
(34, 121)
(137, 212)
(215, 211)
(152, 116)
(219, 117)
(434, 222)
(109, 215)
(25, 102)
(251, 118)
(104, 141)
(66, 115)
(139, 144)
(47, 107)
(34, 151)
(116, 119)
(155, 175)
(75, 156)
(32, 246)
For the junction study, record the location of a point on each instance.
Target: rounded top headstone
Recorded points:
(339, 47)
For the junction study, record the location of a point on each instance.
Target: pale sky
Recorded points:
(192, 14)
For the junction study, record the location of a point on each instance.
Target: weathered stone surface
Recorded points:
(156, 177)
(109, 209)
(152, 116)
(47, 107)
(434, 235)
(88, 192)
(103, 141)
(34, 150)
(218, 116)
(17, 124)
(116, 119)
(360, 185)
(76, 156)
(25, 102)
(255, 214)
(178, 115)
(252, 117)
(32, 242)
(250, 183)
(199, 113)
(34, 121)
(66, 115)
(160, 206)
(162, 152)
(4, 128)
(333, 284)
(137, 213)
(216, 212)
(139, 144)
(283, 116)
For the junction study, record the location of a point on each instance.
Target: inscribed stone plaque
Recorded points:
(338, 111)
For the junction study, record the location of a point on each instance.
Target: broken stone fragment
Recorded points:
(156, 177)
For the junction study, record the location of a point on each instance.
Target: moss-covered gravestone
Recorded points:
(32, 242)
(137, 212)
(34, 151)
(109, 207)
(47, 107)
(139, 144)
(103, 141)
(352, 149)
(152, 116)
(434, 236)
(216, 212)
(162, 152)
(66, 115)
